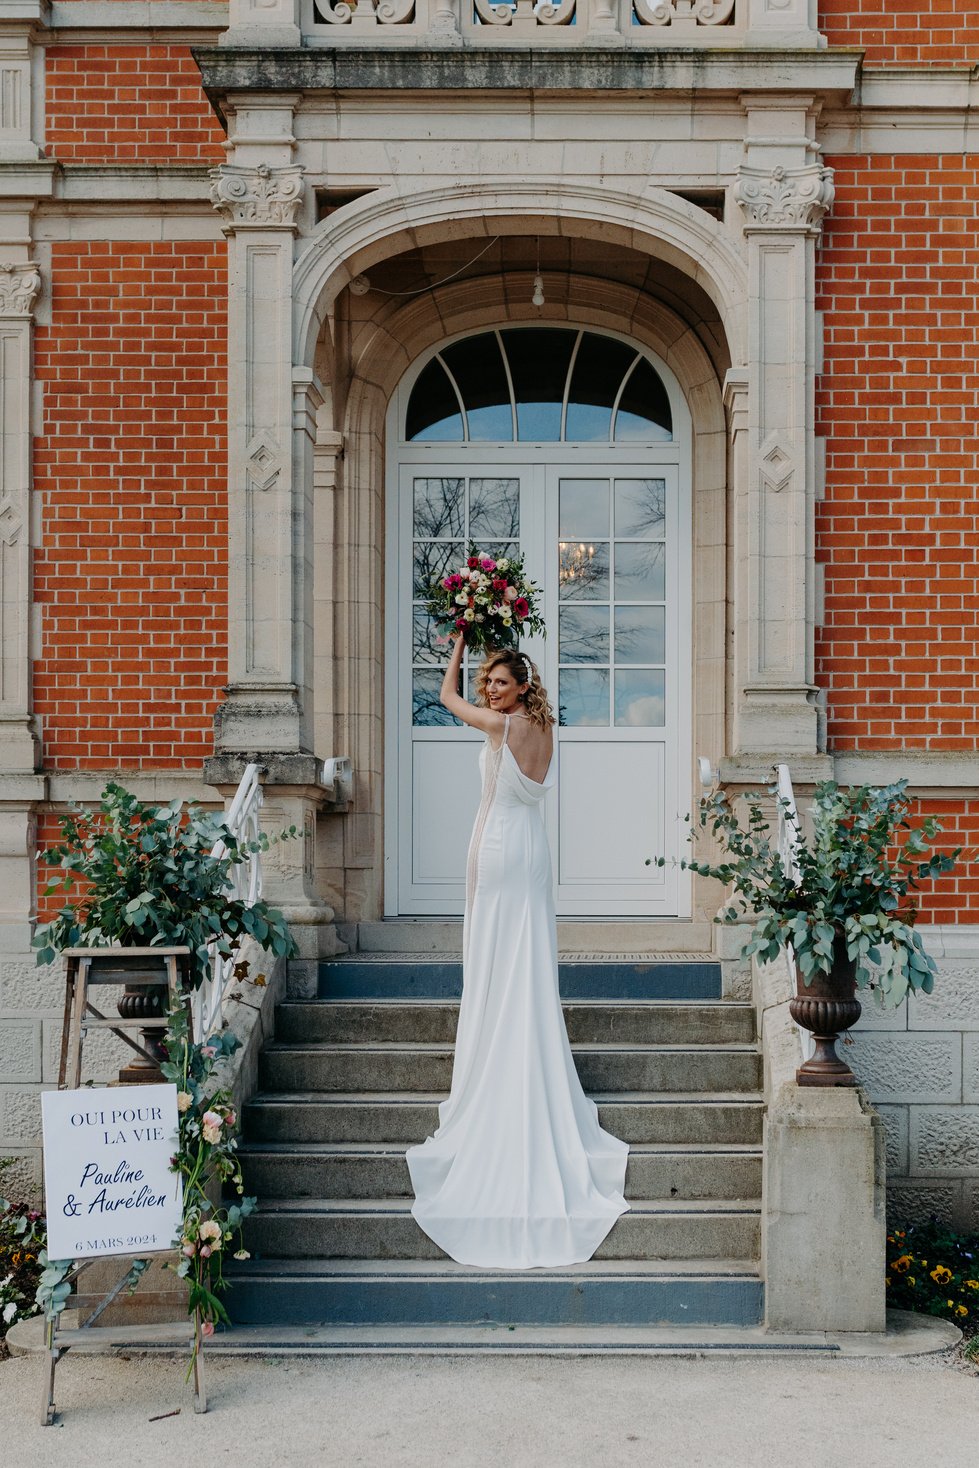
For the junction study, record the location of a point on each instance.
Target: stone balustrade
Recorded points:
(428, 24)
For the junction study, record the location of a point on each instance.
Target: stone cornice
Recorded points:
(830, 74)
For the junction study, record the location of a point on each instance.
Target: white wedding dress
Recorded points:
(519, 1173)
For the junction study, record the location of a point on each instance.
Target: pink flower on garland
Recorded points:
(521, 608)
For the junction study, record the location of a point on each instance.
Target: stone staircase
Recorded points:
(355, 1075)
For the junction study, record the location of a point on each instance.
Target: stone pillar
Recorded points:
(823, 1223)
(259, 196)
(20, 283)
(783, 191)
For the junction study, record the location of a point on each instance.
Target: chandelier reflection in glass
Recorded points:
(575, 563)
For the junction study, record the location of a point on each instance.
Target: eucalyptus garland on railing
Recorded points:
(207, 1164)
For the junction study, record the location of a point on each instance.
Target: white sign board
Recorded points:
(107, 1179)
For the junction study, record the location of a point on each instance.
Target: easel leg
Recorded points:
(51, 1355)
(200, 1394)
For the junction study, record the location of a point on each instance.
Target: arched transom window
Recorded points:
(539, 385)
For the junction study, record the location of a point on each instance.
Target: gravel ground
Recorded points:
(473, 1412)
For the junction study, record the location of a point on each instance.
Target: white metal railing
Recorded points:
(789, 836)
(207, 1005)
(640, 23)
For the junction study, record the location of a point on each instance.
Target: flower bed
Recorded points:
(934, 1270)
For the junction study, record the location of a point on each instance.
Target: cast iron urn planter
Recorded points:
(826, 1007)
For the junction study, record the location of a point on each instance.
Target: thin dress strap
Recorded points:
(506, 728)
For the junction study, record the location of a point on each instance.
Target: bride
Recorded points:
(519, 1173)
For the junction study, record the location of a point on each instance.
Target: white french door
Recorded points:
(607, 538)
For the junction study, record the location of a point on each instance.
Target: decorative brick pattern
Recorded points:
(128, 103)
(131, 572)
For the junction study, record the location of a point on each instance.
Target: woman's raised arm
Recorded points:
(486, 719)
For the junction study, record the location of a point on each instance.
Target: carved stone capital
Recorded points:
(784, 198)
(19, 287)
(257, 198)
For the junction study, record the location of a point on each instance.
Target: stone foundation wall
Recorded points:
(920, 1065)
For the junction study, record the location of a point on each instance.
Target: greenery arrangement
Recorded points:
(22, 1235)
(208, 1167)
(148, 876)
(934, 1270)
(856, 873)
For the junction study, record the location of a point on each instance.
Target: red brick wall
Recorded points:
(123, 103)
(898, 403)
(904, 32)
(131, 572)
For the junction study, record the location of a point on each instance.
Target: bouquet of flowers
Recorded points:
(490, 601)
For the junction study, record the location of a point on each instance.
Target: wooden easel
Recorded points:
(80, 1016)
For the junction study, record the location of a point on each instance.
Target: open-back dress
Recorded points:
(519, 1173)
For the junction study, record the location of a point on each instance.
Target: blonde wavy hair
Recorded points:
(519, 666)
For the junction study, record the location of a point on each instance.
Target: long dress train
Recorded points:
(519, 1173)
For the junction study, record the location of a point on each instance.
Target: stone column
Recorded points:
(783, 191)
(259, 201)
(19, 287)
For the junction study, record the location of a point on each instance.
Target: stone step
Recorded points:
(434, 1021)
(630, 937)
(427, 977)
(379, 1170)
(429, 1068)
(410, 1117)
(712, 1292)
(383, 1228)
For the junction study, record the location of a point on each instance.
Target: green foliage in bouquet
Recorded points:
(147, 876)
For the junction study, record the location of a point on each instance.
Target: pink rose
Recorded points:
(510, 594)
(205, 1251)
(188, 1249)
(207, 1327)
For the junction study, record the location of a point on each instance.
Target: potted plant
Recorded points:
(148, 876)
(843, 905)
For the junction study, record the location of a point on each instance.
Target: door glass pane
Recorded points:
(425, 644)
(583, 697)
(494, 508)
(431, 561)
(640, 571)
(583, 635)
(640, 508)
(583, 509)
(426, 711)
(439, 509)
(583, 570)
(640, 634)
(640, 697)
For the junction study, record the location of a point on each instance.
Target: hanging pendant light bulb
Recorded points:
(537, 299)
